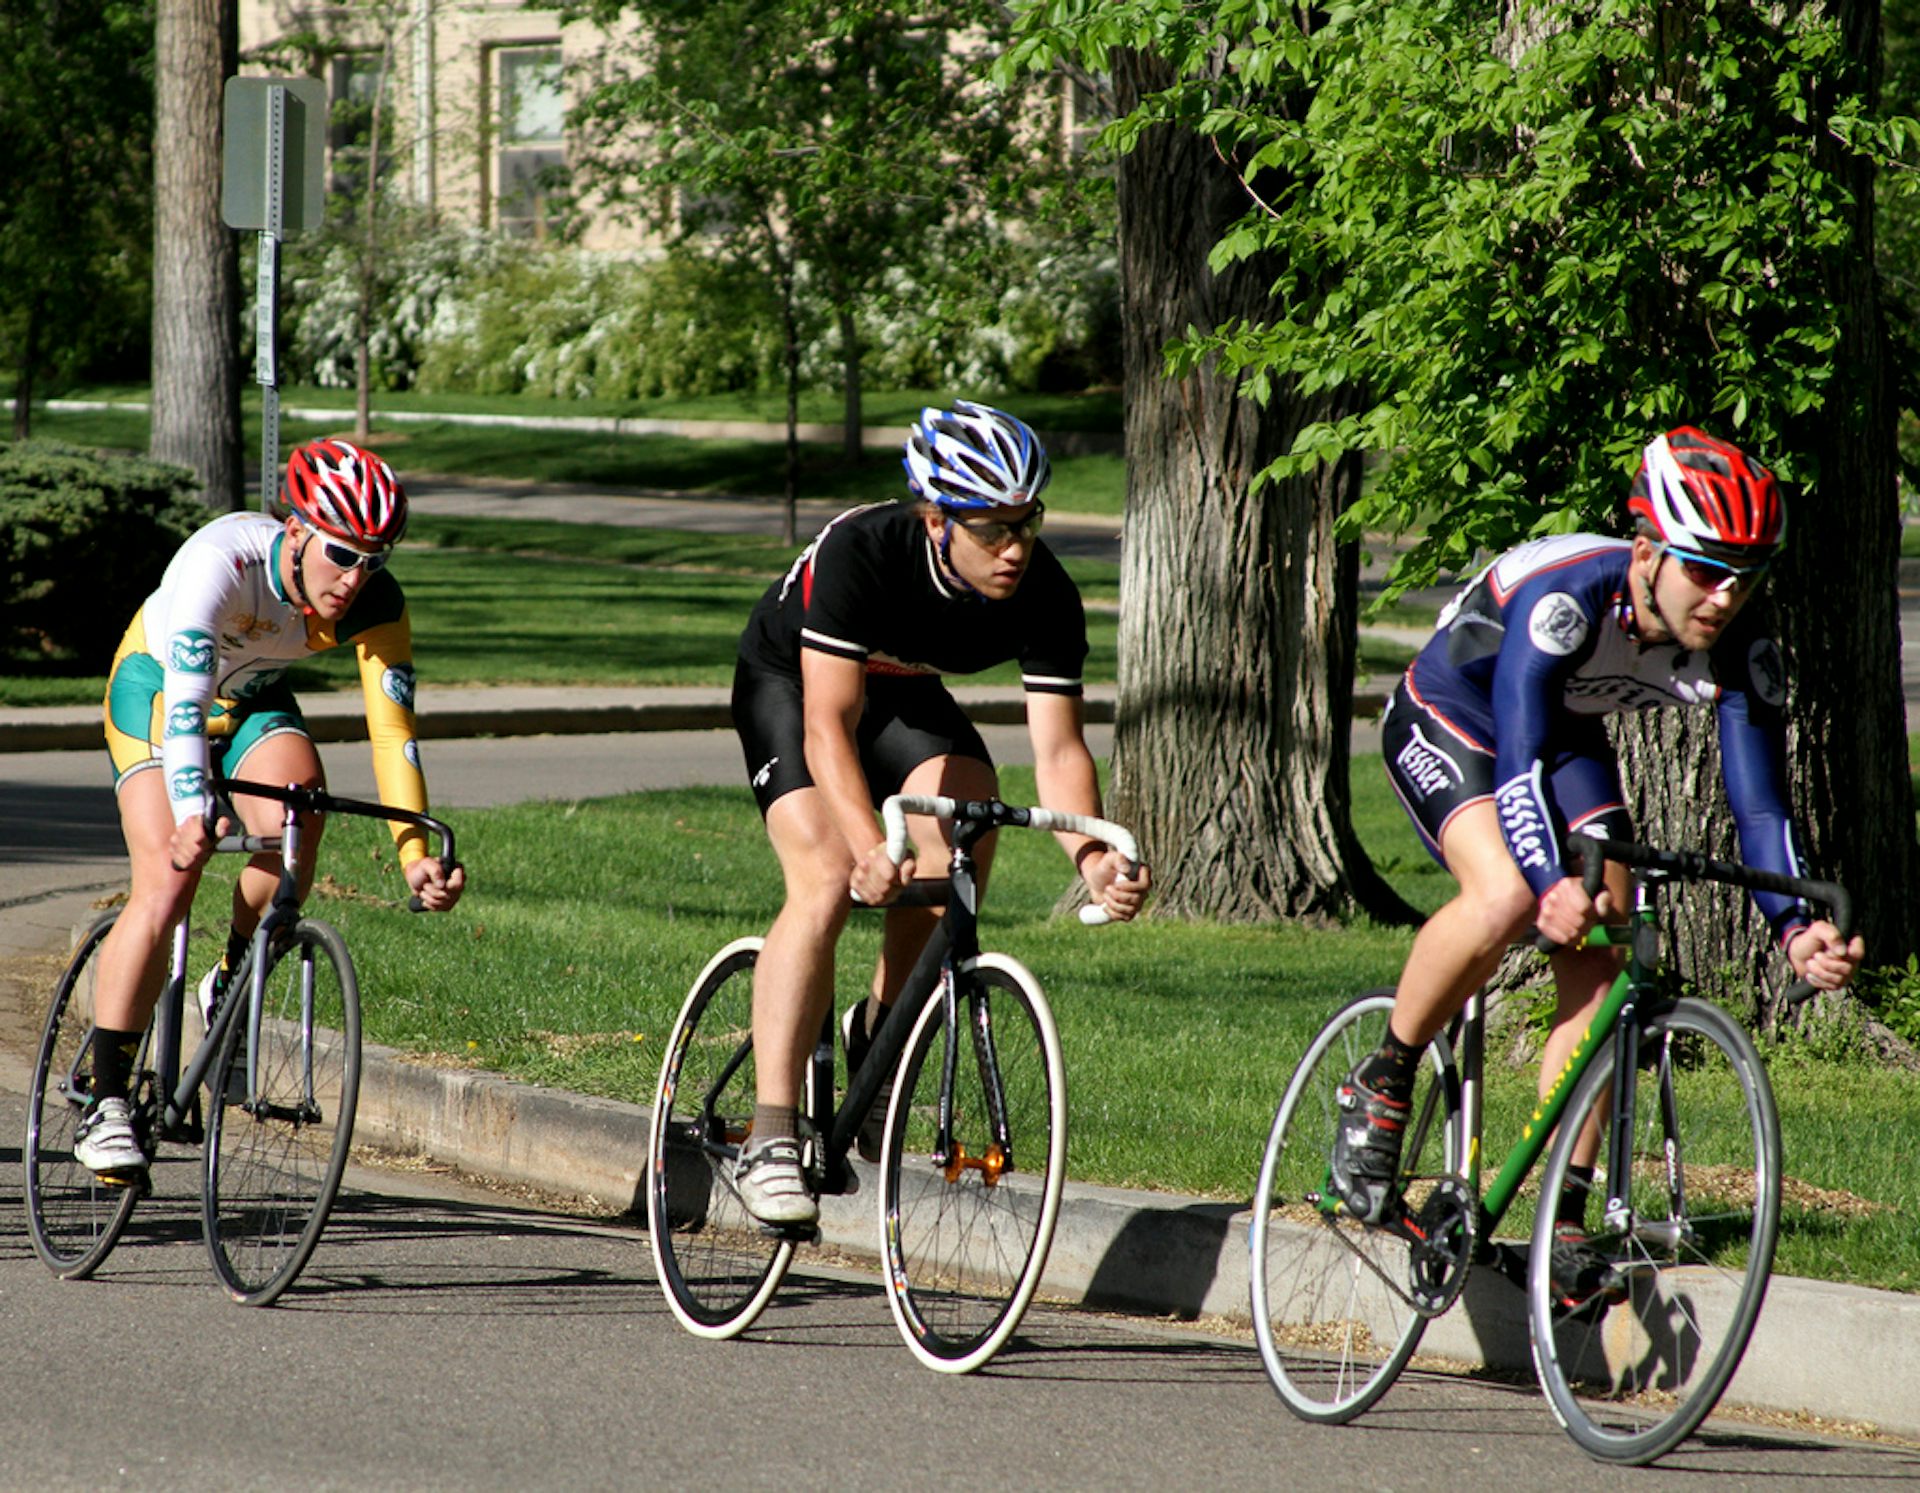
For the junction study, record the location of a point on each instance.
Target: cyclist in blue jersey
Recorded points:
(1495, 744)
(838, 703)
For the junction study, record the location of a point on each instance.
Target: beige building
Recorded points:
(473, 120)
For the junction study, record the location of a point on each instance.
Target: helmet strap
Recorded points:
(946, 558)
(299, 581)
(1653, 596)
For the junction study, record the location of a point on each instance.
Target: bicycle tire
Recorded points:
(75, 1218)
(1631, 1380)
(275, 1155)
(966, 1244)
(718, 1265)
(1330, 1306)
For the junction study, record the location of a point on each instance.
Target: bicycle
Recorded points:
(280, 1071)
(973, 1156)
(1690, 1188)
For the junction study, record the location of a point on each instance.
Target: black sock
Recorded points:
(1390, 1070)
(113, 1055)
(775, 1122)
(237, 945)
(1573, 1197)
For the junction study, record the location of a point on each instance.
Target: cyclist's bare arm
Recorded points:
(1067, 780)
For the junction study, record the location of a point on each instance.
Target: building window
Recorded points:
(530, 158)
(1086, 109)
(353, 91)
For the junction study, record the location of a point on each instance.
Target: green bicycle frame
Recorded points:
(1534, 1135)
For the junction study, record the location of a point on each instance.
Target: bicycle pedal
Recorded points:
(134, 1176)
(797, 1233)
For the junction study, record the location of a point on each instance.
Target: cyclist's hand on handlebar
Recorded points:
(1824, 959)
(193, 840)
(1107, 878)
(875, 879)
(1566, 912)
(436, 887)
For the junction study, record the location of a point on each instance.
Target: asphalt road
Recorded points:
(445, 1336)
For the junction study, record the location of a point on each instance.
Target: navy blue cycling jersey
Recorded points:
(1543, 636)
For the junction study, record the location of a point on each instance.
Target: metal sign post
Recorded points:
(270, 187)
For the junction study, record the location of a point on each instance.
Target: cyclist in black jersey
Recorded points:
(838, 703)
(1494, 744)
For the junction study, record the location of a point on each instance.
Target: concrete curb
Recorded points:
(562, 711)
(1842, 1353)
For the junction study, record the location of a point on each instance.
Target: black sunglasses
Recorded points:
(996, 534)
(1713, 576)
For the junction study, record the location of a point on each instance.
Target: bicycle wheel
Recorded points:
(967, 1232)
(278, 1135)
(719, 1266)
(1334, 1309)
(74, 1217)
(1629, 1380)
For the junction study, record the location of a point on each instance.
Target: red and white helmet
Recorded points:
(1703, 495)
(347, 494)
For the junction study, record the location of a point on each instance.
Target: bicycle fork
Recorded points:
(949, 1154)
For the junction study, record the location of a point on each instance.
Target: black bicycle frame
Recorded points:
(953, 946)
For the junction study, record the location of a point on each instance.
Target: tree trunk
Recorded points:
(1237, 622)
(852, 434)
(23, 381)
(369, 260)
(196, 261)
(1838, 623)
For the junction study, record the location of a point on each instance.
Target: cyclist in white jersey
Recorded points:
(196, 691)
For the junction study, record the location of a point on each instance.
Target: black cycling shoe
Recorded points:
(1580, 1276)
(1366, 1149)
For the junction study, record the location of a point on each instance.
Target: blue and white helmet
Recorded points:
(974, 457)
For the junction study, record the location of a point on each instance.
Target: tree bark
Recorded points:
(1238, 609)
(196, 265)
(1838, 622)
(852, 435)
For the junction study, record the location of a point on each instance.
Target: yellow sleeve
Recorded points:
(387, 685)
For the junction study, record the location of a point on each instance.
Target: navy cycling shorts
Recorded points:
(906, 721)
(1438, 769)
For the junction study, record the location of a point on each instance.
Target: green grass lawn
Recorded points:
(679, 464)
(588, 920)
(512, 601)
(1097, 410)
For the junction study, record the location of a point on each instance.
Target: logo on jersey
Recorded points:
(1426, 768)
(188, 782)
(191, 653)
(1768, 672)
(1557, 625)
(761, 778)
(411, 751)
(1523, 820)
(397, 685)
(248, 627)
(186, 719)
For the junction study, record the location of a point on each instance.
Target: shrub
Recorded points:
(83, 538)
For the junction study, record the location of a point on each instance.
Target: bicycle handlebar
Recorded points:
(893, 813)
(1690, 865)
(319, 801)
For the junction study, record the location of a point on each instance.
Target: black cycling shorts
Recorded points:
(906, 721)
(1438, 769)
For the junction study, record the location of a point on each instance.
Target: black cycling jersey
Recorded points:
(870, 587)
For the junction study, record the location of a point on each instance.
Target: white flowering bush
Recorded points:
(462, 311)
